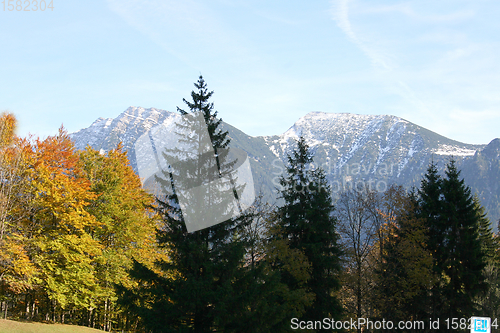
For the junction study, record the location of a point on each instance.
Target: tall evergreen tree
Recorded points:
(464, 259)
(196, 290)
(403, 274)
(453, 223)
(488, 301)
(429, 209)
(307, 221)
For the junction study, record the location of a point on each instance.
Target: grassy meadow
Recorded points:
(10, 326)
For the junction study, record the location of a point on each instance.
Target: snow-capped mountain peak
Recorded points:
(379, 149)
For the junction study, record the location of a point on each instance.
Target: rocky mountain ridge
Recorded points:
(354, 150)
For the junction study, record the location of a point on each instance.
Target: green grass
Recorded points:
(10, 326)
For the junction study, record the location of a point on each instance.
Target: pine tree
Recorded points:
(196, 290)
(308, 224)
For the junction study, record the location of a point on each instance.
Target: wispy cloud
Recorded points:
(340, 13)
(407, 9)
(441, 60)
(180, 27)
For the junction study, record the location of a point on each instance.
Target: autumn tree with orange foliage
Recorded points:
(59, 228)
(17, 272)
(71, 223)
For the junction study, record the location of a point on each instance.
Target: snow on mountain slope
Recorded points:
(340, 141)
(377, 150)
(105, 134)
(374, 143)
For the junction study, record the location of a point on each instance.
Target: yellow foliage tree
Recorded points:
(127, 227)
(17, 272)
(62, 247)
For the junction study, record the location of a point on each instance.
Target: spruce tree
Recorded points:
(464, 259)
(488, 301)
(307, 222)
(453, 224)
(196, 290)
(429, 209)
(403, 274)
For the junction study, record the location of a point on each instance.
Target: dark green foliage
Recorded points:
(486, 237)
(308, 224)
(434, 255)
(201, 287)
(453, 222)
(465, 260)
(429, 209)
(488, 302)
(201, 103)
(227, 277)
(404, 272)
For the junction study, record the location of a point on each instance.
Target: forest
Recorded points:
(81, 242)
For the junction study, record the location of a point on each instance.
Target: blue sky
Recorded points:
(434, 63)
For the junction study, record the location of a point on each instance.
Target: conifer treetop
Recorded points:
(200, 103)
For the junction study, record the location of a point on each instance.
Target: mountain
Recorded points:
(354, 150)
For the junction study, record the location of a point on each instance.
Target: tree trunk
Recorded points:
(358, 295)
(34, 309)
(106, 310)
(5, 310)
(26, 300)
